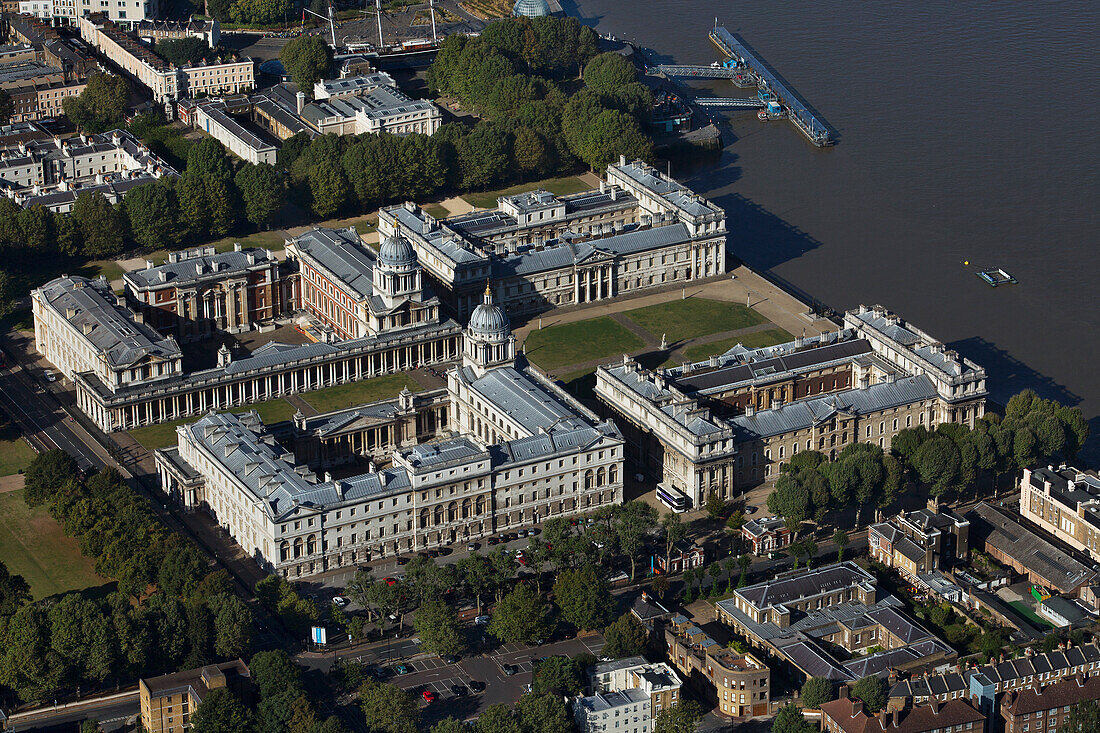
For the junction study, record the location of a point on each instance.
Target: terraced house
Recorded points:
(639, 230)
(732, 421)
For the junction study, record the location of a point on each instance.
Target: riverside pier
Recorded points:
(745, 69)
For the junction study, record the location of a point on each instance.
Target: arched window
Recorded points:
(467, 506)
(284, 552)
(439, 514)
(452, 512)
(481, 505)
(612, 474)
(311, 544)
(297, 547)
(425, 518)
(588, 479)
(601, 476)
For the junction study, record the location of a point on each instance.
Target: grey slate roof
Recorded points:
(265, 469)
(379, 103)
(675, 193)
(113, 333)
(342, 253)
(195, 269)
(820, 580)
(525, 400)
(355, 84)
(807, 413)
(1008, 533)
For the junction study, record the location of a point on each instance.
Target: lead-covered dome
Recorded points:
(489, 321)
(396, 251)
(531, 8)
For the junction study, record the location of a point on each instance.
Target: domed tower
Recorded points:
(397, 273)
(488, 341)
(531, 8)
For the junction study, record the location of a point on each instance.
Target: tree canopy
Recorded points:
(307, 59)
(101, 105)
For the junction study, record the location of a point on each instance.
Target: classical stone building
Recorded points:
(640, 230)
(1065, 502)
(165, 81)
(356, 292)
(732, 421)
(82, 329)
(52, 173)
(548, 456)
(200, 291)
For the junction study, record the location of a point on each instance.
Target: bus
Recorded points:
(673, 498)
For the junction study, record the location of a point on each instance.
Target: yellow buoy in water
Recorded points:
(966, 262)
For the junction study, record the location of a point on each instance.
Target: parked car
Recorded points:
(509, 669)
(401, 669)
(49, 375)
(492, 541)
(532, 532)
(471, 547)
(402, 560)
(451, 659)
(482, 620)
(459, 690)
(340, 601)
(428, 696)
(477, 686)
(389, 581)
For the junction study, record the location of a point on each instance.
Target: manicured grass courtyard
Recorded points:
(15, 454)
(163, 435)
(558, 186)
(687, 319)
(33, 545)
(756, 340)
(437, 210)
(581, 341)
(358, 393)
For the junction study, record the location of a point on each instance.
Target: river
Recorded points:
(966, 134)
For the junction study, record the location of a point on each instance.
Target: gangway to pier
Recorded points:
(729, 102)
(746, 60)
(699, 72)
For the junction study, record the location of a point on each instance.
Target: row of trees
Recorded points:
(169, 611)
(953, 458)
(519, 74)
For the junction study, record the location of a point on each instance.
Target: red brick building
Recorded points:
(1044, 709)
(849, 716)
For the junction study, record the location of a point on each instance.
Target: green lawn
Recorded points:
(437, 210)
(273, 411)
(15, 454)
(756, 340)
(360, 393)
(107, 268)
(163, 435)
(573, 343)
(559, 186)
(693, 317)
(33, 545)
(1021, 608)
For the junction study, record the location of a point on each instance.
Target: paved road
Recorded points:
(111, 712)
